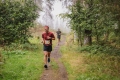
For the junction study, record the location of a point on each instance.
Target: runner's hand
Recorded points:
(49, 37)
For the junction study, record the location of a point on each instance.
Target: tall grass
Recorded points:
(82, 65)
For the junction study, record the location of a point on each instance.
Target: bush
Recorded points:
(100, 49)
(16, 18)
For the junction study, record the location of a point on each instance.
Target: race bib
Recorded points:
(47, 41)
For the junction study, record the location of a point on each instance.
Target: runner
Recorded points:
(47, 44)
(58, 35)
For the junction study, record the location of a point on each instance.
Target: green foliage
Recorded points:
(96, 49)
(16, 18)
(89, 16)
(113, 6)
(26, 46)
(14, 52)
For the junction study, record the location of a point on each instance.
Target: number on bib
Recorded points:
(47, 41)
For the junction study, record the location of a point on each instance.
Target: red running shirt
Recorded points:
(46, 41)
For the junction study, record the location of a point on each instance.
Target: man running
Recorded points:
(47, 44)
(58, 35)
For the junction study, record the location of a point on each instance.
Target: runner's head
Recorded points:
(58, 29)
(46, 29)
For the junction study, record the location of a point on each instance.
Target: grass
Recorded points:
(23, 67)
(23, 63)
(87, 66)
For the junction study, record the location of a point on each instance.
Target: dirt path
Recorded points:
(59, 73)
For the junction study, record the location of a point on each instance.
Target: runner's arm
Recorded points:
(52, 37)
(42, 39)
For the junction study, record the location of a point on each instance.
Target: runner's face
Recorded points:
(46, 29)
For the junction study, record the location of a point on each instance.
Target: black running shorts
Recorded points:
(47, 48)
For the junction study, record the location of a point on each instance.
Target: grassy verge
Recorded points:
(90, 66)
(23, 62)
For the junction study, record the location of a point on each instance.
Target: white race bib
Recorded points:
(47, 41)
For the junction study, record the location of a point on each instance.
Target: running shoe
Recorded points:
(48, 59)
(45, 66)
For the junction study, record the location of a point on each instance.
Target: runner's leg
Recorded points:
(45, 58)
(49, 56)
(58, 41)
(49, 52)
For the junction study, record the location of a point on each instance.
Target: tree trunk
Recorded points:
(106, 35)
(88, 38)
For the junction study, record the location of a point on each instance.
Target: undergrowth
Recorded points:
(95, 62)
(94, 49)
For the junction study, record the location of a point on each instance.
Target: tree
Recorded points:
(88, 20)
(113, 6)
(16, 18)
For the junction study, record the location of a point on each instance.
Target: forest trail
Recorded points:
(55, 74)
